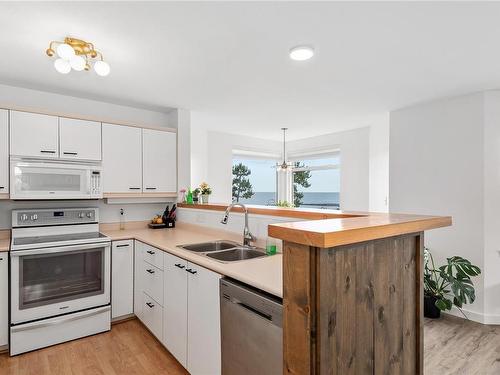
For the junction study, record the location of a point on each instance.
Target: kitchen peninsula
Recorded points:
(352, 289)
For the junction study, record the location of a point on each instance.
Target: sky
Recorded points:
(263, 177)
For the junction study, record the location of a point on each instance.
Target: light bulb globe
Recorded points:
(62, 66)
(102, 68)
(65, 51)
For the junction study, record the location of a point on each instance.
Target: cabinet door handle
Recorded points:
(191, 271)
(178, 265)
(150, 252)
(70, 153)
(150, 271)
(47, 152)
(150, 188)
(2, 187)
(123, 245)
(150, 305)
(134, 188)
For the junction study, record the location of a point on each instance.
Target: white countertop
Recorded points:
(262, 273)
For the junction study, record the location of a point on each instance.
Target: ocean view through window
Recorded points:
(254, 181)
(315, 181)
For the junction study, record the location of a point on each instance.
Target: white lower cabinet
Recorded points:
(122, 278)
(175, 307)
(178, 302)
(4, 299)
(152, 316)
(148, 288)
(204, 346)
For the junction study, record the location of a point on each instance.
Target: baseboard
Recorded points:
(488, 319)
(122, 319)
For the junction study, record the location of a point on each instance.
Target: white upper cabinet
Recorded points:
(4, 151)
(35, 135)
(159, 161)
(79, 139)
(121, 159)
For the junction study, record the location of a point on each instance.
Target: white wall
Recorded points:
(354, 163)
(49, 102)
(17, 97)
(183, 121)
(491, 201)
(436, 167)
(379, 165)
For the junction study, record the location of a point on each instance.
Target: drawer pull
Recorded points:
(151, 252)
(2, 187)
(150, 305)
(178, 265)
(134, 188)
(47, 152)
(191, 271)
(150, 271)
(150, 188)
(123, 245)
(70, 153)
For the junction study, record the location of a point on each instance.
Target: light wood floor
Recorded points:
(453, 346)
(128, 349)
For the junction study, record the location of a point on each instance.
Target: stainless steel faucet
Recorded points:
(247, 235)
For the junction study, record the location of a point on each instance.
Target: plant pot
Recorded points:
(204, 198)
(430, 309)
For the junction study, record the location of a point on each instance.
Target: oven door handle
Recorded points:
(61, 249)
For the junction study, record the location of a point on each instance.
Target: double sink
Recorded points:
(224, 251)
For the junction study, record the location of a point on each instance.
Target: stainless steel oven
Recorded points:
(55, 280)
(60, 277)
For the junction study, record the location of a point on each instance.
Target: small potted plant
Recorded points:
(183, 195)
(447, 285)
(205, 191)
(196, 195)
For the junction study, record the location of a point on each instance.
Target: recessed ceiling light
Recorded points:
(301, 53)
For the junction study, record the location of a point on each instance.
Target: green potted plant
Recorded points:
(447, 285)
(196, 193)
(205, 191)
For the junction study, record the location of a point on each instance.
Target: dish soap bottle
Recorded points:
(122, 219)
(189, 198)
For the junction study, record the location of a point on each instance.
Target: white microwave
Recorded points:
(45, 179)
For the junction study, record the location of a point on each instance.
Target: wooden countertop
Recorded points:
(328, 228)
(4, 240)
(263, 273)
(336, 232)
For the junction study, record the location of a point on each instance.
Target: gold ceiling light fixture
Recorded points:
(78, 55)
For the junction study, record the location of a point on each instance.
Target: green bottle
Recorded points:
(189, 199)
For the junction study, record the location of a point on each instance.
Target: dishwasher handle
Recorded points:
(276, 320)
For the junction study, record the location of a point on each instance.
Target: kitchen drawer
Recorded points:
(152, 316)
(152, 281)
(153, 255)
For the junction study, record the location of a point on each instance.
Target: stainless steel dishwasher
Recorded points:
(251, 331)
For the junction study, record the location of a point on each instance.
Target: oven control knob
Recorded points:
(34, 217)
(24, 217)
(80, 215)
(89, 214)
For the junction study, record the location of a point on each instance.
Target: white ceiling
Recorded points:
(230, 61)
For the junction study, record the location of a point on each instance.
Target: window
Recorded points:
(254, 180)
(316, 182)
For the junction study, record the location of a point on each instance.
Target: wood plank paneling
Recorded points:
(364, 309)
(299, 309)
(367, 308)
